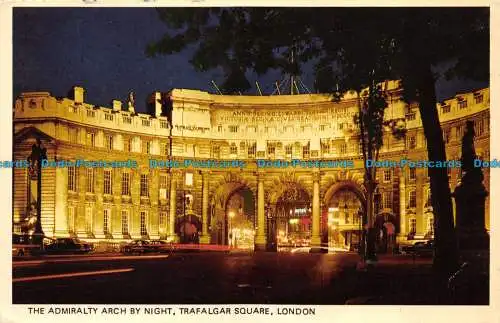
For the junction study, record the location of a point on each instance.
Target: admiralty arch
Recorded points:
(207, 168)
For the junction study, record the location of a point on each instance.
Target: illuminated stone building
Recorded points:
(240, 203)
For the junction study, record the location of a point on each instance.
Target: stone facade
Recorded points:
(124, 203)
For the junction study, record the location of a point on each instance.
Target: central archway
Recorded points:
(343, 216)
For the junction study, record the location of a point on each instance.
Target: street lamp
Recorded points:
(230, 233)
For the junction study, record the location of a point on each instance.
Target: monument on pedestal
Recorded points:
(33, 223)
(470, 196)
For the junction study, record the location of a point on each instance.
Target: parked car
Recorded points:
(68, 245)
(23, 245)
(146, 246)
(419, 248)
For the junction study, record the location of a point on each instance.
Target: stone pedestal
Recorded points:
(470, 197)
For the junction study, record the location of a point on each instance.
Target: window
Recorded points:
(387, 200)
(462, 104)
(146, 122)
(107, 182)
(252, 149)
(271, 149)
(460, 132)
(411, 116)
(73, 135)
(428, 200)
(125, 222)
(215, 151)
(71, 219)
(412, 142)
(89, 214)
(288, 150)
(108, 117)
(219, 128)
(322, 127)
(163, 124)
(413, 226)
(90, 114)
(446, 135)
(233, 150)
(127, 119)
(163, 186)
(305, 151)
(343, 148)
(387, 175)
(108, 139)
(106, 221)
(163, 219)
(146, 147)
(233, 128)
(90, 180)
(446, 108)
(126, 184)
(413, 199)
(430, 225)
(144, 230)
(165, 149)
(325, 146)
(144, 185)
(413, 174)
(341, 126)
(72, 179)
(478, 98)
(243, 146)
(479, 127)
(90, 139)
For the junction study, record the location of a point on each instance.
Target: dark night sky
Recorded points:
(102, 49)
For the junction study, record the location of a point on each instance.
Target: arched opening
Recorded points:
(240, 219)
(343, 217)
(289, 220)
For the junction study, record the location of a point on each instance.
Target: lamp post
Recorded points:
(230, 216)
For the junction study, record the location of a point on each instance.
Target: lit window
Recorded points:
(343, 148)
(233, 150)
(387, 200)
(163, 219)
(411, 116)
(90, 180)
(322, 127)
(144, 230)
(126, 184)
(124, 222)
(189, 179)
(146, 122)
(252, 149)
(479, 127)
(233, 128)
(163, 186)
(215, 151)
(90, 114)
(109, 142)
(72, 178)
(90, 139)
(146, 147)
(73, 135)
(412, 142)
(478, 98)
(271, 149)
(446, 135)
(462, 104)
(413, 174)
(108, 117)
(144, 185)
(305, 151)
(106, 221)
(288, 150)
(165, 149)
(127, 119)
(413, 226)
(163, 124)
(107, 182)
(413, 199)
(387, 175)
(446, 108)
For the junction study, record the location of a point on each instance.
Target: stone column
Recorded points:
(153, 216)
(61, 202)
(315, 234)
(260, 237)
(171, 219)
(98, 221)
(116, 214)
(135, 222)
(205, 238)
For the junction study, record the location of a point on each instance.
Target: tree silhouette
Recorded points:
(347, 45)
